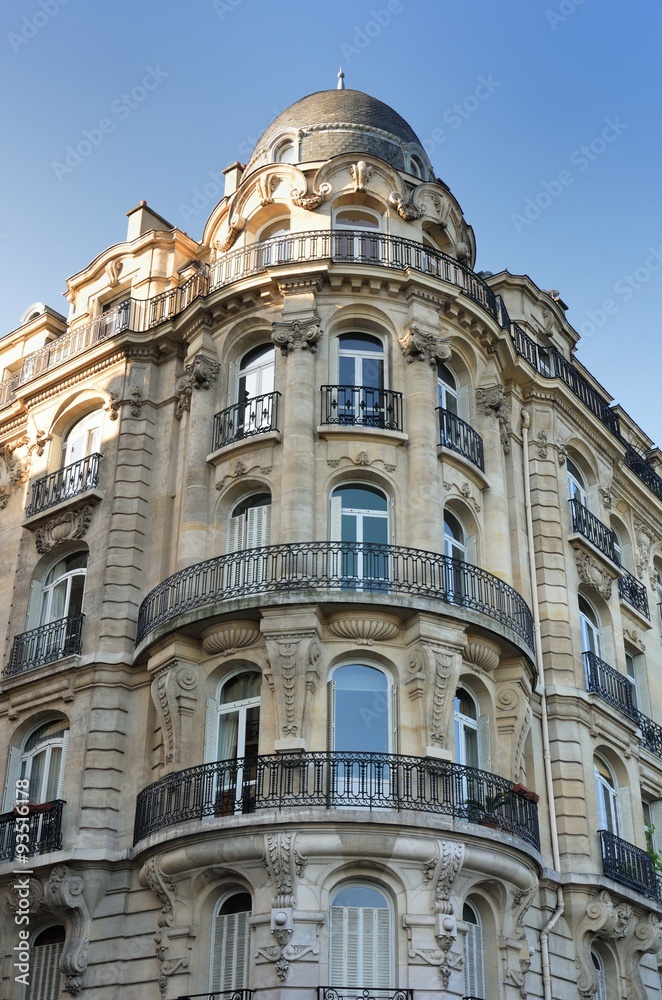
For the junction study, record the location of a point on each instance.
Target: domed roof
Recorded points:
(331, 122)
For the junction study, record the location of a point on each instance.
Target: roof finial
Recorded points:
(341, 80)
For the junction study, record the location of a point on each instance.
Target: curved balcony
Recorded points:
(337, 779)
(361, 406)
(338, 567)
(457, 435)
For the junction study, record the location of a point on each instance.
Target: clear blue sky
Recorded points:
(558, 73)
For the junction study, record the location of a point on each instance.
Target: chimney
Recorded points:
(142, 219)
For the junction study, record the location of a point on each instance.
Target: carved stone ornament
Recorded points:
(362, 630)
(405, 209)
(266, 186)
(561, 451)
(304, 334)
(592, 574)
(112, 406)
(235, 226)
(432, 673)
(64, 893)
(440, 873)
(492, 399)
(41, 439)
(644, 542)
(113, 271)
(482, 654)
(227, 638)
(604, 489)
(605, 920)
(284, 865)
(646, 939)
(633, 635)
(174, 696)
(135, 400)
(542, 444)
(360, 173)
(424, 345)
(310, 201)
(463, 491)
(198, 374)
(163, 887)
(63, 528)
(293, 676)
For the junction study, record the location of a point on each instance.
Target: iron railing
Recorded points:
(630, 590)
(651, 734)
(643, 470)
(361, 406)
(64, 484)
(353, 246)
(254, 415)
(359, 993)
(45, 644)
(630, 866)
(336, 779)
(44, 830)
(550, 363)
(613, 687)
(169, 304)
(220, 995)
(8, 389)
(592, 528)
(459, 436)
(335, 566)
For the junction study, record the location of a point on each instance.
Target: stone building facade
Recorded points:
(331, 590)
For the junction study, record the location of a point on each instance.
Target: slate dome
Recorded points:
(331, 122)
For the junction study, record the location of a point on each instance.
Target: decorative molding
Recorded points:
(242, 469)
(174, 696)
(440, 873)
(296, 333)
(284, 865)
(633, 635)
(646, 939)
(228, 637)
(542, 444)
(645, 541)
(163, 887)
(310, 201)
(361, 629)
(424, 345)
(482, 653)
(112, 406)
(63, 528)
(405, 209)
(198, 374)
(64, 892)
(432, 673)
(14, 469)
(235, 226)
(293, 676)
(41, 439)
(135, 400)
(492, 400)
(593, 574)
(605, 920)
(266, 185)
(465, 492)
(360, 172)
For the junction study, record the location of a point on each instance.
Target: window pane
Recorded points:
(361, 710)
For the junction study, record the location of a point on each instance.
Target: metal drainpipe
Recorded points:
(547, 758)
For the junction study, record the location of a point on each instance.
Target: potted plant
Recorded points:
(485, 811)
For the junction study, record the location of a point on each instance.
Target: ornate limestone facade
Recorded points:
(331, 608)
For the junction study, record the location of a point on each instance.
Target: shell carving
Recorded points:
(230, 637)
(364, 631)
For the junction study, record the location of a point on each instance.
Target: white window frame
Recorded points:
(83, 438)
(230, 972)
(577, 489)
(606, 791)
(474, 959)
(591, 631)
(600, 974)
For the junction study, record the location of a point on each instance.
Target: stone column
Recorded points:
(297, 336)
(495, 431)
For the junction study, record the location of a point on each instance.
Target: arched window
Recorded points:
(256, 373)
(285, 152)
(576, 484)
(249, 524)
(276, 244)
(598, 965)
(83, 438)
(40, 760)
(359, 398)
(657, 585)
(255, 412)
(232, 733)
(474, 964)
(590, 629)
(355, 237)
(360, 709)
(447, 389)
(416, 166)
(62, 591)
(461, 548)
(472, 732)
(359, 519)
(46, 952)
(607, 796)
(360, 939)
(230, 942)
(55, 615)
(455, 543)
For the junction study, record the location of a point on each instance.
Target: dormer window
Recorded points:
(284, 152)
(416, 167)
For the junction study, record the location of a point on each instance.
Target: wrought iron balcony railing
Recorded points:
(459, 436)
(630, 866)
(610, 685)
(64, 484)
(592, 528)
(361, 406)
(630, 590)
(45, 644)
(550, 363)
(643, 471)
(336, 779)
(335, 566)
(220, 995)
(169, 304)
(359, 993)
(44, 830)
(255, 415)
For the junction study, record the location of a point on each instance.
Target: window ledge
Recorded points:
(579, 541)
(325, 431)
(639, 618)
(242, 445)
(458, 460)
(42, 671)
(86, 498)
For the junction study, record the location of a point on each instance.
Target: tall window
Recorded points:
(359, 709)
(474, 965)
(40, 761)
(447, 389)
(45, 975)
(83, 438)
(361, 243)
(358, 398)
(576, 484)
(278, 249)
(455, 544)
(249, 524)
(63, 588)
(607, 796)
(360, 939)
(457, 547)
(255, 386)
(590, 629)
(472, 732)
(633, 680)
(359, 519)
(54, 617)
(232, 733)
(230, 942)
(598, 965)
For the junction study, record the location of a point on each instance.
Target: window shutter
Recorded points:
(394, 719)
(624, 817)
(45, 971)
(335, 524)
(211, 714)
(258, 526)
(474, 975)
(334, 374)
(641, 677)
(484, 748)
(33, 605)
(63, 762)
(471, 550)
(463, 402)
(382, 969)
(229, 962)
(331, 715)
(13, 772)
(235, 533)
(233, 383)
